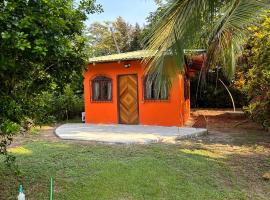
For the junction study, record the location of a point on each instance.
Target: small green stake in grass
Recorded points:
(21, 195)
(51, 189)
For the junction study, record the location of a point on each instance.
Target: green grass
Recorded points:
(83, 172)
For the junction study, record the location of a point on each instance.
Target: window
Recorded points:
(101, 89)
(186, 88)
(151, 90)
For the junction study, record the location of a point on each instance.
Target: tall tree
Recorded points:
(100, 39)
(136, 38)
(103, 37)
(122, 31)
(41, 43)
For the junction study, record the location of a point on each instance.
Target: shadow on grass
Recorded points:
(155, 171)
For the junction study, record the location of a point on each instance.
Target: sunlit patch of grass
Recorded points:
(20, 150)
(35, 130)
(202, 152)
(56, 145)
(258, 148)
(155, 171)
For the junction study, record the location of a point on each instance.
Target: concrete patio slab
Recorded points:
(125, 134)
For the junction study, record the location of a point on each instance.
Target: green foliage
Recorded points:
(7, 130)
(153, 18)
(215, 25)
(42, 48)
(101, 37)
(42, 108)
(213, 94)
(68, 104)
(49, 107)
(136, 41)
(258, 91)
(256, 63)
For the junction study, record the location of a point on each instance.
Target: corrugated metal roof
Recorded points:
(134, 55)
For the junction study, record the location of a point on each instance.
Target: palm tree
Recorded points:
(218, 26)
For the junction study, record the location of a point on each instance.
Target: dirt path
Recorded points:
(243, 144)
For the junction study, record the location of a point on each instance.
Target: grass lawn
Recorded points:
(204, 168)
(121, 172)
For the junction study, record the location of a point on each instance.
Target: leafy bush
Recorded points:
(258, 91)
(7, 130)
(49, 107)
(256, 68)
(68, 104)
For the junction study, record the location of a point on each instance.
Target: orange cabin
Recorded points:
(116, 92)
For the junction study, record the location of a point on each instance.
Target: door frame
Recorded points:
(118, 98)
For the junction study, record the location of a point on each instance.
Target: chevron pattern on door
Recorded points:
(128, 99)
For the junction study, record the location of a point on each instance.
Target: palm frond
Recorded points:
(226, 38)
(183, 26)
(178, 29)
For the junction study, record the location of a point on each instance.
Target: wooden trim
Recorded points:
(138, 100)
(118, 98)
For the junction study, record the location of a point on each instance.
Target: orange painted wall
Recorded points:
(173, 112)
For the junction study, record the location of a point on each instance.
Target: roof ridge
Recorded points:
(132, 55)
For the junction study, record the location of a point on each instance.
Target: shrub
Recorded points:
(7, 130)
(50, 107)
(258, 91)
(68, 104)
(257, 72)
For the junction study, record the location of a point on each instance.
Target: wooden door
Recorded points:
(128, 99)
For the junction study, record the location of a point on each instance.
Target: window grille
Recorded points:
(151, 90)
(101, 89)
